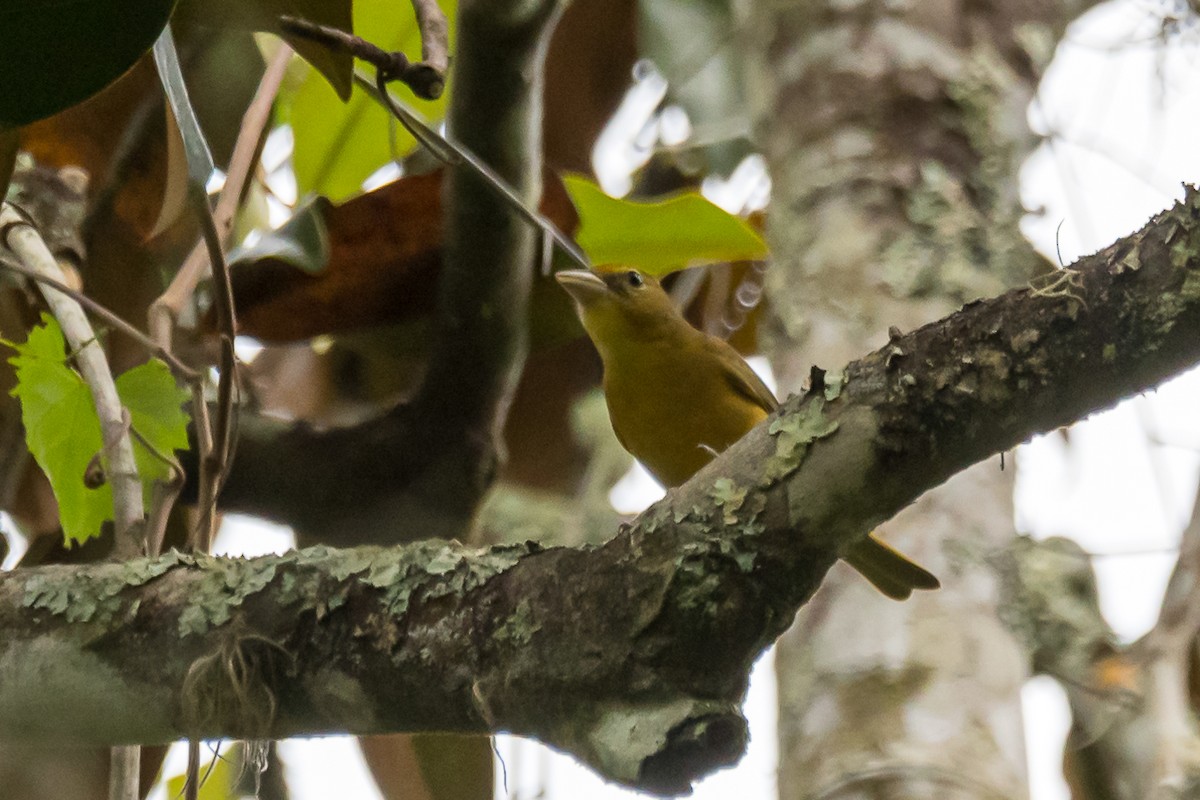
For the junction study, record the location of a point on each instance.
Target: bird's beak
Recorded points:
(585, 287)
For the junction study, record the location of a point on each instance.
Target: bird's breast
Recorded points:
(674, 417)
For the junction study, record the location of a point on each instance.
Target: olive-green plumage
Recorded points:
(678, 396)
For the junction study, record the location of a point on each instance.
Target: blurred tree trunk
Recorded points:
(894, 134)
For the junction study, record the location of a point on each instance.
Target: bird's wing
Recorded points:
(744, 380)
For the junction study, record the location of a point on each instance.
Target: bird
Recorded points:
(677, 396)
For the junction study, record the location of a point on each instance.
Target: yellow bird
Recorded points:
(678, 396)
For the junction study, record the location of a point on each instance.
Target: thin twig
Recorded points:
(191, 784)
(18, 235)
(215, 467)
(124, 771)
(129, 528)
(169, 305)
(214, 454)
(426, 80)
(450, 151)
(181, 371)
(435, 34)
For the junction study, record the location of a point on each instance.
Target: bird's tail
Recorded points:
(889, 570)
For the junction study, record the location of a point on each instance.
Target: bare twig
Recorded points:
(191, 786)
(215, 226)
(426, 80)
(167, 308)
(129, 528)
(124, 771)
(393, 66)
(19, 236)
(450, 151)
(214, 462)
(435, 34)
(181, 371)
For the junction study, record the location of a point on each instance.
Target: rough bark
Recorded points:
(894, 136)
(608, 652)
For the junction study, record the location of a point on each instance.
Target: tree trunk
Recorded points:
(894, 137)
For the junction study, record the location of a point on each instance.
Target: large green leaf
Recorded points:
(55, 53)
(217, 779)
(155, 404)
(661, 236)
(63, 431)
(338, 145)
(263, 15)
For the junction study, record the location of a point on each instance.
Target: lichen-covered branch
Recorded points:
(633, 655)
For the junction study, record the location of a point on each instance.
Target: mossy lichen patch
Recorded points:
(520, 626)
(834, 383)
(727, 496)
(225, 585)
(793, 434)
(318, 579)
(96, 597)
(438, 568)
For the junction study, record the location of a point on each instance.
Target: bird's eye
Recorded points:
(634, 278)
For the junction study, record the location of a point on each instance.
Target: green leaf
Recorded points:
(155, 404)
(61, 428)
(662, 236)
(263, 15)
(216, 781)
(57, 53)
(338, 145)
(63, 431)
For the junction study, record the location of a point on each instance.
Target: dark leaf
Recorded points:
(57, 53)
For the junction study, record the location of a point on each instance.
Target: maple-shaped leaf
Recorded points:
(63, 431)
(659, 236)
(155, 404)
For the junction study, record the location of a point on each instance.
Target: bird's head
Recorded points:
(620, 304)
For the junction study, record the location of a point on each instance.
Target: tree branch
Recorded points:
(431, 460)
(1167, 651)
(496, 113)
(421, 78)
(634, 655)
(18, 235)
